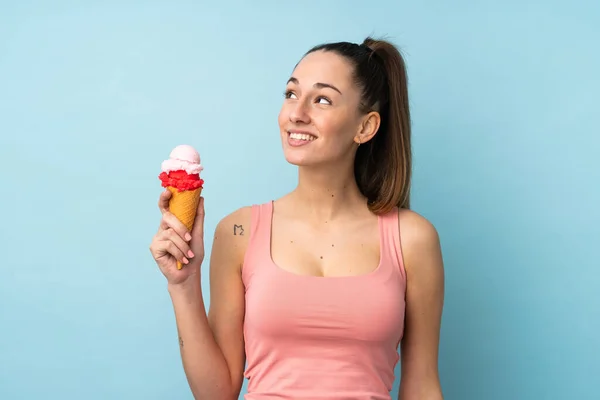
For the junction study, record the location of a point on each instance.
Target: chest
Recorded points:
(368, 310)
(326, 250)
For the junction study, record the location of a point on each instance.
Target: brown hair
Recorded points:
(383, 165)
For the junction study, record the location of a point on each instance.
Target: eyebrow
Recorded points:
(318, 85)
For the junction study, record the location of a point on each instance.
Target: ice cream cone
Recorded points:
(184, 205)
(181, 176)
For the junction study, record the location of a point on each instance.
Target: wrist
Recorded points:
(190, 286)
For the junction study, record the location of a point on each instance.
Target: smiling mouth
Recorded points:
(307, 137)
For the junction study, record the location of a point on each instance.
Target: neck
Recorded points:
(325, 194)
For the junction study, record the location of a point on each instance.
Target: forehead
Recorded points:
(326, 67)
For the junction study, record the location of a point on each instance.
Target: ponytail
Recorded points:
(383, 165)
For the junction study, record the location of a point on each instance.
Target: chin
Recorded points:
(305, 157)
(299, 156)
(299, 160)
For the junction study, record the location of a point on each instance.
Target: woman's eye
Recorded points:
(288, 94)
(323, 100)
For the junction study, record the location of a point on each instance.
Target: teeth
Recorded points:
(302, 136)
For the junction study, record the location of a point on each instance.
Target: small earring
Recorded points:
(358, 145)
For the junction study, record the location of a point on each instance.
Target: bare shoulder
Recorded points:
(416, 229)
(419, 238)
(232, 233)
(236, 223)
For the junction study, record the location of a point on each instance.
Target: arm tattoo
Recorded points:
(180, 341)
(238, 230)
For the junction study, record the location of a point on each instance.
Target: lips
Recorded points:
(298, 138)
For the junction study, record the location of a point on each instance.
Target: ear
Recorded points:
(368, 127)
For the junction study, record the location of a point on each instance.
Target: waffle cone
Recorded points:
(184, 206)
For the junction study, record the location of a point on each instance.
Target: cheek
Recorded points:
(335, 128)
(281, 118)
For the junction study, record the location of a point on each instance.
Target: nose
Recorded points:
(299, 113)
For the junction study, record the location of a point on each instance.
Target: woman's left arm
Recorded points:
(424, 302)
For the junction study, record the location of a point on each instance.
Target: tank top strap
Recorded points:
(259, 242)
(390, 240)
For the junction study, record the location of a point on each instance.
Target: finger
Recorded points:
(198, 229)
(167, 246)
(163, 201)
(161, 247)
(169, 220)
(181, 244)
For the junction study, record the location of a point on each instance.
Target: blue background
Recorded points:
(93, 96)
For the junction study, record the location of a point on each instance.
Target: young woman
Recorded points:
(312, 294)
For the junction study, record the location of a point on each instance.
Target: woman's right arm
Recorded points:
(212, 346)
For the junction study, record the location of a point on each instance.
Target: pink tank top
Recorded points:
(321, 338)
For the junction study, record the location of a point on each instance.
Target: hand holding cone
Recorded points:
(181, 176)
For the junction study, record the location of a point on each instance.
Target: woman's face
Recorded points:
(319, 119)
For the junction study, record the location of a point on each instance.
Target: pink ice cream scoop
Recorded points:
(183, 158)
